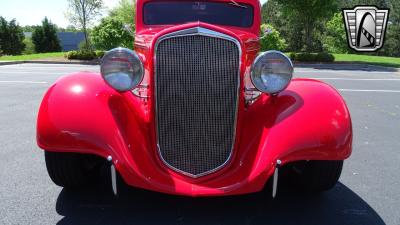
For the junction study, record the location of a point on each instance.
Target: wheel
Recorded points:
(316, 176)
(68, 170)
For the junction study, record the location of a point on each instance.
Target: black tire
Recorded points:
(316, 176)
(67, 169)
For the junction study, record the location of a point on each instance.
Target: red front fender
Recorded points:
(308, 121)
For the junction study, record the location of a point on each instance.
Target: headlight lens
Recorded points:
(272, 72)
(122, 69)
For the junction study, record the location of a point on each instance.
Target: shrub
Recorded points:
(291, 55)
(271, 39)
(312, 57)
(81, 55)
(306, 57)
(100, 54)
(325, 57)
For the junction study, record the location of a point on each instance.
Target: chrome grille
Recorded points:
(197, 80)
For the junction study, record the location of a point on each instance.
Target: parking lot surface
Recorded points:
(368, 192)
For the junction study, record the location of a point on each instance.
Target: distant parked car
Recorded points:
(194, 110)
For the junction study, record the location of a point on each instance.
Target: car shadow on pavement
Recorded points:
(338, 206)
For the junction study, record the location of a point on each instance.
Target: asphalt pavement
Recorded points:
(368, 192)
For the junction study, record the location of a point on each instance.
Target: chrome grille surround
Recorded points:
(179, 167)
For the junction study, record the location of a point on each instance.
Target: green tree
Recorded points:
(82, 13)
(110, 33)
(289, 27)
(353, 3)
(17, 38)
(271, 39)
(11, 37)
(309, 14)
(306, 26)
(4, 37)
(272, 13)
(45, 37)
(335, 37)
(392, 40)
(124, 12)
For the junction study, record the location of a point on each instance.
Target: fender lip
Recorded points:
(281, 127)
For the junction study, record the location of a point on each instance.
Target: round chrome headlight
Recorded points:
(122, 69)
(272, 72)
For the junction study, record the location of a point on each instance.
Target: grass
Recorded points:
(32, 56)
(368, 59)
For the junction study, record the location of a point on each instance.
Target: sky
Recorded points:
(32, 12)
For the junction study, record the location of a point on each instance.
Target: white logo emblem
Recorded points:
(366, 27)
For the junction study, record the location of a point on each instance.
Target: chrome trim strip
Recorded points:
(193, 32)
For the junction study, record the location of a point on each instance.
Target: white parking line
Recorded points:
(356, 79)
(44, 73)
(23, 82)
(30, 72)
(343, 71)
(383, 91)
(51, 66)
(49, 69)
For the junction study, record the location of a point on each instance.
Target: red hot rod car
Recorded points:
(195, 110)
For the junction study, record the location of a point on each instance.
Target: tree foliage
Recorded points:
(335, 37)
(82, 13)
(392, 43)
(124, 12)
(45, 38)
(288, 25)
(110, 33)
(271, 39)
(11, 37)
(308, 15)
(353, 3)
(316, 25)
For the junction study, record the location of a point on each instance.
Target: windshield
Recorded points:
(219, 13)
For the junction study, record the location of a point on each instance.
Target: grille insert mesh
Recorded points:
(197, 88)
